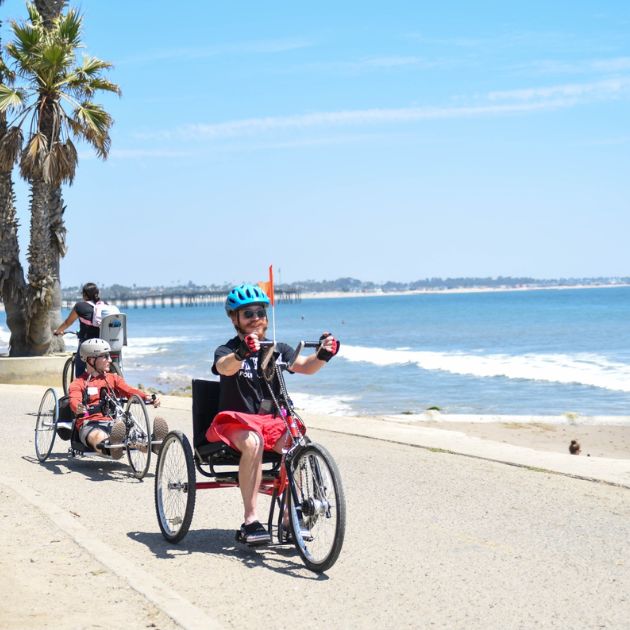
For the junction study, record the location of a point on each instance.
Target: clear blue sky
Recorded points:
(384, 141)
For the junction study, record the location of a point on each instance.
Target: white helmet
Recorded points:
(94, 348)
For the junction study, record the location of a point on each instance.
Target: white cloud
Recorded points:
(596, 89)
(251, 126)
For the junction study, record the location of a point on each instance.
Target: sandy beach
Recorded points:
(493, 545)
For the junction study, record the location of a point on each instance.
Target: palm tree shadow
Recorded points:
(280, 559)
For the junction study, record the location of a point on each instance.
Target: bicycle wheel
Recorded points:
(46, 425)
(68, 374)
(317, 507)
(138, 440)
(175, 487)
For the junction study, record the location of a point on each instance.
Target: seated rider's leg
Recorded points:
(250, 444)
(95, 439)
(282, 442)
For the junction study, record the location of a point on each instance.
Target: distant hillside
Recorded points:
(352, 285)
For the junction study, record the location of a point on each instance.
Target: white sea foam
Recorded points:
(5, 336)
(582, 369)
(329, 405)
(144, 346)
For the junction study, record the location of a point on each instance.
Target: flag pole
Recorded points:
(273, 304)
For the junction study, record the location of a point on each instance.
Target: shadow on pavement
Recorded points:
(92, 467)
(281, 559)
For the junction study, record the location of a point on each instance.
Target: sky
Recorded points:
(377, 140)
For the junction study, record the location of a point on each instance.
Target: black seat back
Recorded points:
(205, 404)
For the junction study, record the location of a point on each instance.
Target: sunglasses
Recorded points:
(104, 356)
(260, 313)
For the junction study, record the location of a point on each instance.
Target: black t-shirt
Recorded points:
(86, 311)
(245, 390)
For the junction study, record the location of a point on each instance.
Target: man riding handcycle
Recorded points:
(251, 421)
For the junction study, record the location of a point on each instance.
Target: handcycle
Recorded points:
(303, 482)
(54, 418)
(113, 329)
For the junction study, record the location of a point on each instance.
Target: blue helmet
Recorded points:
(245, 295)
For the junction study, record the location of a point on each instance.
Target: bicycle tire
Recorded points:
(175, 486)
(320, 508)
(138, 439)
(46, 424)
(68, 373)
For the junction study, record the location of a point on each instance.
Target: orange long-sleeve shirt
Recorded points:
(93, 385)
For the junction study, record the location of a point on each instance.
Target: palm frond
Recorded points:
(11, 98)
(96, 123)
(33, 156)
(33, 15)
(92, 65)
(68, 27)
(57, 166)
(6, 74)
(10, 147)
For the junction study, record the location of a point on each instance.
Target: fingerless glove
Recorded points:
(326, 355)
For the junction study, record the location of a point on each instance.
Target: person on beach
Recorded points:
(245, 421)
(96, 429)
(84, 312)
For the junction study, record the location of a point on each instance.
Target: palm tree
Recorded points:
(11, 274)
(53, 103)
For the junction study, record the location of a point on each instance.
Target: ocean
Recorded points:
(533, 352)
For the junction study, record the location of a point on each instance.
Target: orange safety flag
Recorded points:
(267, 286)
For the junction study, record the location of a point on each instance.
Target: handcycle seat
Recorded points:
(205, 406)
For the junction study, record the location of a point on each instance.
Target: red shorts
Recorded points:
(270, 428)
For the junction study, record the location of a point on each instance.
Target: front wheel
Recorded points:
(175, 486)
(317, 507)
(138, 442)
(68, 373)
(46, 425)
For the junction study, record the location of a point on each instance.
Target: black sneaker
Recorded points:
(253, 534)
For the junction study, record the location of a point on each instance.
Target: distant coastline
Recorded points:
(310, 295)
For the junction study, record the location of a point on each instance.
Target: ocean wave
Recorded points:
(582, 369)
(329, 405)
(145, 346)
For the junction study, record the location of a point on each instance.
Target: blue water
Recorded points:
(519, 352)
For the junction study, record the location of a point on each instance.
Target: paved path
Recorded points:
(433, 540)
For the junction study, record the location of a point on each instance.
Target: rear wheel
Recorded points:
(175, 487)
(68, 374)
(138, 442)
(317, 507)
(46, 425)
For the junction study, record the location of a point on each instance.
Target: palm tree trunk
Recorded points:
(41, 279)
(12, 285)
(49, 10)
(57, 251)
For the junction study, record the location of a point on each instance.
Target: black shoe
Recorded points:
(253, 534)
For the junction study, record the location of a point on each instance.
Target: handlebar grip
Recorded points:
(311, 344)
